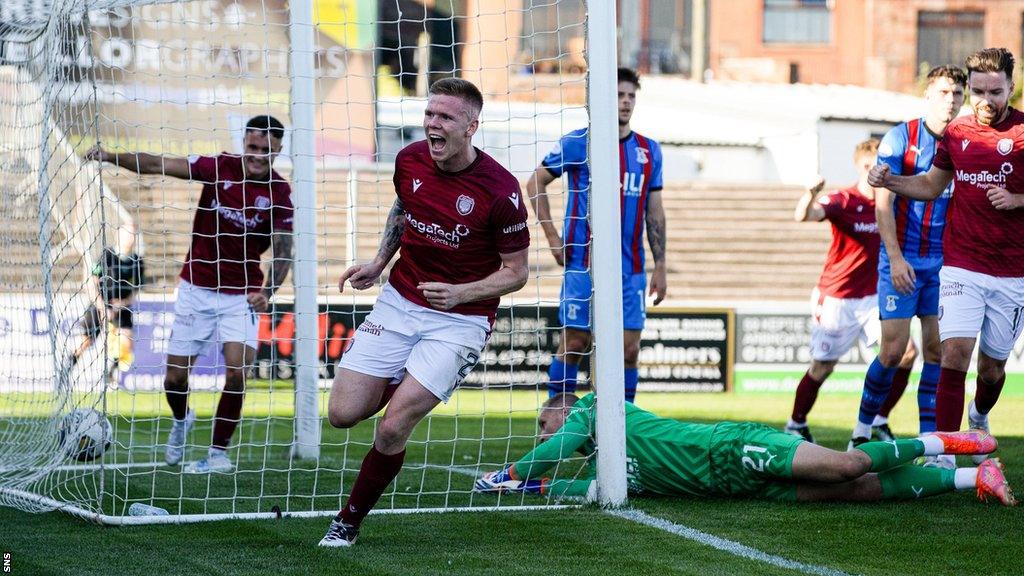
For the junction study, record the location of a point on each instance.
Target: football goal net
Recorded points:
(91, 252)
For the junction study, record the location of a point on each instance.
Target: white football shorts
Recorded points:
(840, 322)
(204, 318)
(976, 305)
(439, 349)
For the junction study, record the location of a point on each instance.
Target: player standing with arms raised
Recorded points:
(460, 221)
(981, 297)
(245, 207)
(909, 263)
(844, 304)
(640, 186)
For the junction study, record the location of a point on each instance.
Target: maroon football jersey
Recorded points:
(851, 268)
(456, 224)
(233, 224)
(978, 237)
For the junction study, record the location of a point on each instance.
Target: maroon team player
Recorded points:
(460, 221)
(245, 207)
(844, 304)
(981, 294)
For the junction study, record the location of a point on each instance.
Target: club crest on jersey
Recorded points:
(1004, 146)
(890, 303)
(262, 202)
(464, 204)
(641, 155)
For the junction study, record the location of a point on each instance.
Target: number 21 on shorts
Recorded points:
(754, 457)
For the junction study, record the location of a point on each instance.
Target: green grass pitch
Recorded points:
(944, 535)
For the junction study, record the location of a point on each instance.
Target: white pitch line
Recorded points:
(723, 544)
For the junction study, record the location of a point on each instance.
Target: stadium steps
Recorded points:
(725, 242)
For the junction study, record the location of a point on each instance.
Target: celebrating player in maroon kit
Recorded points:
(245, 208)
(982, 281)
(844, 303)
(460, 221)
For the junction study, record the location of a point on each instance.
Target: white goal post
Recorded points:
(348, 79)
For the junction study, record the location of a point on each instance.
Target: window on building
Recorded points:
(552, 35)
(948, 37)
(797, 21)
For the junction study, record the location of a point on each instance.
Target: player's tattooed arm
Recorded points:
(655, 220)
(393, 230)
(281, 262)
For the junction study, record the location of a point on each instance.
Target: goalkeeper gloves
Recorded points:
(502, 481)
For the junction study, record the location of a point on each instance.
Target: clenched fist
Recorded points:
(878, 176)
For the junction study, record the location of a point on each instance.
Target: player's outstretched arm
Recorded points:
(536, 190)
(807, 210)
(513, 274)
(143, 163)
(902, 273)
(655, 220)
(926, 186)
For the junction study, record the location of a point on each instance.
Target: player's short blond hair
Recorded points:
(868, 147)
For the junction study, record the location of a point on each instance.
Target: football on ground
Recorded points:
(84, 434)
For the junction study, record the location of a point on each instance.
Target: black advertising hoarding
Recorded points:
(687, 350)
(684, 350)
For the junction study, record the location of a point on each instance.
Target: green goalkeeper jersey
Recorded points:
(662, 456)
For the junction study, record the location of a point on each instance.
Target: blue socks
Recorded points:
(561, 377)
(926, 396)
(632, 377)
(877, 383)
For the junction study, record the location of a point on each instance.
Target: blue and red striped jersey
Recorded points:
(639, 175)
(908, 149)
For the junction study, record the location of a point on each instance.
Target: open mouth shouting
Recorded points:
(438, 143)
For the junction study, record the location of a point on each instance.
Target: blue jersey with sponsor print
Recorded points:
(908, 149)
(639, 175)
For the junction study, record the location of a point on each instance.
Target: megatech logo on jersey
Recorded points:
(985, 176)
(437, 233)
(866, 227)
(236, 216)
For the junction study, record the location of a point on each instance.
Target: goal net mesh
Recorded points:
(182, 79)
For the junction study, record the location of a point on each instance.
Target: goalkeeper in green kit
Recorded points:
(746, 460)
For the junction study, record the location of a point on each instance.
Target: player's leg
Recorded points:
(928, 312)
(634, 314)
(176, 391)
(236, 329)
(574, 315)
(900, 379)
(909, 482)
(368, 374)
(999, 332)
(92, 325)
(825, 337)
(878, 380)
(932, 355)
(961, 313)
(813, 463)
(122, 353)
(805, 396)
(434, 369)
(891, 369)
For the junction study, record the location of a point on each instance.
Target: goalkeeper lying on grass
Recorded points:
(671, 458)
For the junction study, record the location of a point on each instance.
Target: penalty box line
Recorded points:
(723, 544)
